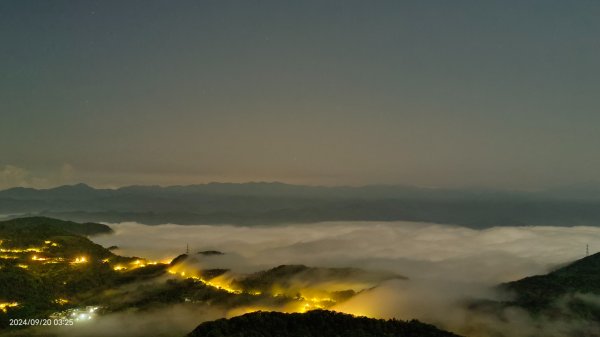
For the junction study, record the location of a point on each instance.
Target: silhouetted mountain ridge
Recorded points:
(275, 203)
(539, 292)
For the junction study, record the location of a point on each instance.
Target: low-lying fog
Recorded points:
(445, 264)
(416, 250)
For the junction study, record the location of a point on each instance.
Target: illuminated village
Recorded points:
(50, 255)
(300, 303)
(34, 258)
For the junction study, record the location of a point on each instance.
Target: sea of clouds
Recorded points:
(445, 266)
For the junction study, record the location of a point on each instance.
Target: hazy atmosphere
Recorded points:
(437, 93)
(315, 168)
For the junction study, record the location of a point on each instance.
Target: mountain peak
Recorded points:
(79, 186)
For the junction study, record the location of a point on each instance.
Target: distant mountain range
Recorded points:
(275, 203)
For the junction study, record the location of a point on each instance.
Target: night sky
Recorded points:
(502, 94)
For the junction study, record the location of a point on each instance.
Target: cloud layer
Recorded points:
(415, 249)
(446, 265)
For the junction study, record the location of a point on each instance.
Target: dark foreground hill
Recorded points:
(316, 323)
(573, 290)
(564, 302)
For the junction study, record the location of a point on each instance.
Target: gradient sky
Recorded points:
(434, 93)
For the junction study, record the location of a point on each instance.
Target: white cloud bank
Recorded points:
(415, 249)
(445, 264)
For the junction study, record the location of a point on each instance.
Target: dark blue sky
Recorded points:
(436, 93)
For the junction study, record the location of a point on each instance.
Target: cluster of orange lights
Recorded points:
(16, 253)
(4, 306)
(300, 304)
(61, 301)
(28, 249)
(80, 259)
(218, 283)
(139, 263)
(17, 250)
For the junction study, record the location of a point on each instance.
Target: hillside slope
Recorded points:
(573, 290)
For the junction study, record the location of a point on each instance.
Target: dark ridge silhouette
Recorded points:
(542, 293)
(317, 323)
(31, 224)
(210, 252)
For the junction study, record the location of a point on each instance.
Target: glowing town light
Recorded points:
(4, 306)
(77, 314)
(220, 286)
(34, 249)
(119, 267)
(61, 301)
(16, 250)
(215, 283)
(138, 263)
(36, 258)
(81, 259)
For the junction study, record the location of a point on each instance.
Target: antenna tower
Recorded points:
(587, 250)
